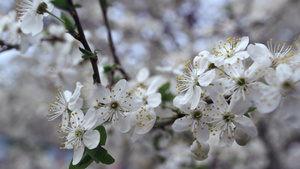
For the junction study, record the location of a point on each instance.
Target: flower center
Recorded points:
(114, 105)
(287, 87)
(241, 81)
(79, 133)
(197, 114)
(228, 117)
(42, 8)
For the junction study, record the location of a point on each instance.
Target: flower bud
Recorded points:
(241, 137)
(199, 150)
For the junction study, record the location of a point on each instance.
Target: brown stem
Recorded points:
(103, 5)
(82, 39)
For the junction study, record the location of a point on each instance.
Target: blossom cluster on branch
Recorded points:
(216, 92)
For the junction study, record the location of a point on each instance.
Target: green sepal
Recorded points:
(99, 154)
(85, 161)
(61, 4)
(103, 134)
(68, 23)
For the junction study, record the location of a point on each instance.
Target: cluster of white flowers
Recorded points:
(216, 92)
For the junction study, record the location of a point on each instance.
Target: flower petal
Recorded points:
(78, 155)
(91, 139)
(182, 124)
(121, 123)
(89, 119)
(206, 78)
(246, 125)
(154, 99)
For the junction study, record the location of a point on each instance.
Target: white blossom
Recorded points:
(65, 103)
(115, 105)
(81, 133)
(31, 15)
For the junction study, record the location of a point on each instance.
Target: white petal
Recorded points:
(226, 138)
(67, 95)
(142, 75)
(196, 97)
(32, 23)
(76, 93)
(78, 155)
(246, 125)
(76, 118)
(119, 88)
(283, 72)
(155, 84)
(91, 139)
(121, 123)
(187, 96)
(242, 44)
(202, 133)
(206, 78)
(182, 124)
(102, 115)
(238, 105)
(154, 99)
(65, 120)
(75, 105)
(102, 94)
(89, 119)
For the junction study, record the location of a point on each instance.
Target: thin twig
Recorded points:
(82, 39)
(111, 43)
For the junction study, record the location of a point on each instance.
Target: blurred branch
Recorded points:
(82, 39)
(104, 5)
(5, 47)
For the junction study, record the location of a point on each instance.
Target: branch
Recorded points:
(5, 47)
(82, 39)
(103, 5)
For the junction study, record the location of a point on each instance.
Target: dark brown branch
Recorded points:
(103, 5)
(82, 39)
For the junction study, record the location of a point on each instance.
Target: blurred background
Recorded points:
(146, 33)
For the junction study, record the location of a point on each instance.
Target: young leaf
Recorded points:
(77, 5)
(85, 161)
(87, 54)
(99, 154)
(61, 4)
(68, 23)
(97, 51)
(103, 135)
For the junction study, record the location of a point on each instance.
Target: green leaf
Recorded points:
(99, 154)
(166, 96)
(251, 109)
(105, 3)
(107, 68)
(61, 4)
(87, 54)
(103, 134)
(164, 88)
(68, 23)
(77, 5)
(85, 161)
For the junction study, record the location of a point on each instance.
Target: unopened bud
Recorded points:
(241, 137)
